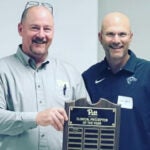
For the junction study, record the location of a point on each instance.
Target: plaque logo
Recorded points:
(92, 112)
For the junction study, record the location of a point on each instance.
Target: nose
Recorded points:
(116, 38)
(41, 33)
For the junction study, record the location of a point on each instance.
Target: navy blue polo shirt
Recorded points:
(130, 87)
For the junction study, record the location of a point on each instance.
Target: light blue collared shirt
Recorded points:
(26, 90)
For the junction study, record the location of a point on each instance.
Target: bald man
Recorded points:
(34, 86)
(124, 79)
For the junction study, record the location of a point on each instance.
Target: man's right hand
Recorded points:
(52, 116)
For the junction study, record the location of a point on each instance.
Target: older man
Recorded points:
(35, 86)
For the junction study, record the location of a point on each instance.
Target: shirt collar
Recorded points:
(129, 66)
(131, 63)
(27, 61)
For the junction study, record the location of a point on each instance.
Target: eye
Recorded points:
(110, 34)
(47, 29)
(34, 28)
(122, 34)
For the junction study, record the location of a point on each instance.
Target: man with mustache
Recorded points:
(34, 86)
(124, 79)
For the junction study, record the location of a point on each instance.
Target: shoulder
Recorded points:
(63, 65)
(143, 63)
(136, 64)
(134, 60)
(143, 66)
(7, 62)
(95, 69)
(65, 69)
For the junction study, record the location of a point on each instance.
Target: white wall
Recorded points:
(138, 12)
(76, 27)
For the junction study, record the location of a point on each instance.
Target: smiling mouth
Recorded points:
(38, 41)
(116, 47)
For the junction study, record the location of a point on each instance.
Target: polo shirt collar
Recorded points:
(131, 63)
(129, 66)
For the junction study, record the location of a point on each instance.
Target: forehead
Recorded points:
(116, 29)
(39, 14)
(116, 24)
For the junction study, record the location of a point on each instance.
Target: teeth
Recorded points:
(115, 47)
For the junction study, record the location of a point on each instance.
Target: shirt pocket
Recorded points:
(64, 90)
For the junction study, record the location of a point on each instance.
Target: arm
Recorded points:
(14, 123)
(11, 122)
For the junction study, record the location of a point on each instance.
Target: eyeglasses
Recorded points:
(35, 3)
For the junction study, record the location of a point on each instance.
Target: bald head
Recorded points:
(115, 37)
(29, 10)
(115, 18)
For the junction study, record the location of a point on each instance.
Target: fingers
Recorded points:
(55, 117)
(63, 113)
(60, 118)
(57, 120)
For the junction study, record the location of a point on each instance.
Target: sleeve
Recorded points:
(14, 123)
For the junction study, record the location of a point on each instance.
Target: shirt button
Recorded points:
(42, 135)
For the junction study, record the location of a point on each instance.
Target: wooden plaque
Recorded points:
(91, 126)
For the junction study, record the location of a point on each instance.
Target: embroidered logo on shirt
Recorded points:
(99, 81)
(131, 79)
(61, 83)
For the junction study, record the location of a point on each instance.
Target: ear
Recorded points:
(20, 29)
(100, 36)
(131, 35)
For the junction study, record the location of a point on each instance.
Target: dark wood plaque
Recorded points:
(91, 126)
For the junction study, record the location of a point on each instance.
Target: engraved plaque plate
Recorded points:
(91, 126)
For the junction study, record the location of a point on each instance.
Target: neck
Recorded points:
(39, 61)
(117, 64)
